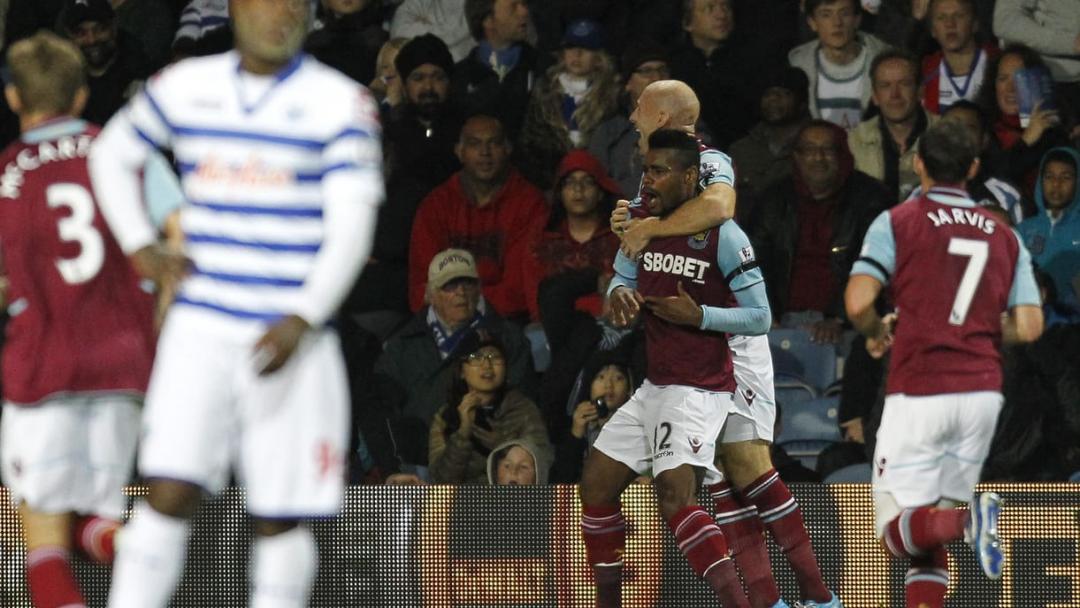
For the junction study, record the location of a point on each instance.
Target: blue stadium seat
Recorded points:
(791, 390)
(795, 355)
(811, 419)
(541, 351)
(853, 473)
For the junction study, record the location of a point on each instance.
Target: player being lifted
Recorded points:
(80, 341)
(954, 270)
(750, 496)
(280, 161)
(669, 426)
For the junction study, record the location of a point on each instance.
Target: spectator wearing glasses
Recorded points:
(482, 411)
(419, 362)
(807, 230)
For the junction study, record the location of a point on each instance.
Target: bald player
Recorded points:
(759, 498)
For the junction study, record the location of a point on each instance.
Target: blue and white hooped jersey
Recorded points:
(257, 157)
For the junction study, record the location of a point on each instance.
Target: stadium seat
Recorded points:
(810, 419)
(853, 473)
(791, 390)
(1075, 477)
(805, 450)
(795, 355)
(541, 351)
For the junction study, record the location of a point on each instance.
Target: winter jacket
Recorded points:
(775, 233)
(411, 382)
(1055, 246)
(804, 57)
(476, 88)
(456, 459)
(866, 146)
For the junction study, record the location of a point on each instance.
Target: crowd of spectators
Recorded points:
(508, 138)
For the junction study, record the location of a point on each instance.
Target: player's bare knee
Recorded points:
(174, 498)
(674, 491)
(745, 461)
(272, 527)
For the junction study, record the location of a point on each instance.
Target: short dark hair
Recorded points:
(1059, 155)
(891, 55)
(947, 151)
(969, 3)
(812, 5)
(475, 13)
(686, 147)
(971, 106)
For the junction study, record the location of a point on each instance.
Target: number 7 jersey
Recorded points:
(80, 323)
(954, 269)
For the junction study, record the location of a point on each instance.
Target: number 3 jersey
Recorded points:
(953, 269)
(79, 320)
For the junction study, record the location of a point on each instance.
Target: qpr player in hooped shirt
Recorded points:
(280, 161)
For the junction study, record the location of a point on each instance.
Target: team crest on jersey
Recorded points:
(699, 241)
(881, 466)
(695, 444)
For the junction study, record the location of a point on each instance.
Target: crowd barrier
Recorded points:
(480, 546)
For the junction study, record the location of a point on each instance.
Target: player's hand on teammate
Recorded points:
(274, 348)
(680, 309)
(878, 345)
(584, 414)
(637, 236)
(161, 264)
(853, 430)
(625, 304)
(620, 216)
(827, 331)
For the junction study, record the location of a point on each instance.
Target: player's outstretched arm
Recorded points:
(714, 206)
(624, 301)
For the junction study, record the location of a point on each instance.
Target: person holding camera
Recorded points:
(481, 413)
(602, 387)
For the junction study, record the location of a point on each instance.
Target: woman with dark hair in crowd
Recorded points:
(604, 385)
(1017, 148)
(481, 413)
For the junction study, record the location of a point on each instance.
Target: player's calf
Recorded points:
(746, 539)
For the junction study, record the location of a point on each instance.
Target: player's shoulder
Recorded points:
(195, 71)
(334, 95)
(713, 159)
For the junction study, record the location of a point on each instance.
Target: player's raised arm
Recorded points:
(712, 207)
(352, 189)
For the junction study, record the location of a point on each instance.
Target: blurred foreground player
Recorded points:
(80, 342)
(280, 160)
(962, 282)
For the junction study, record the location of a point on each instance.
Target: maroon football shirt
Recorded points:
(79, 320)
(954, 270)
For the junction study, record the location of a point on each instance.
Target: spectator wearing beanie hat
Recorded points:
(571, 259)
(615, 141)
(419, 135)
(763, 157)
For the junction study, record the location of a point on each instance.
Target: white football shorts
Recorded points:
(754, 414)
(931, 449)
(662, 427)
(71, 454)
(285, 434)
